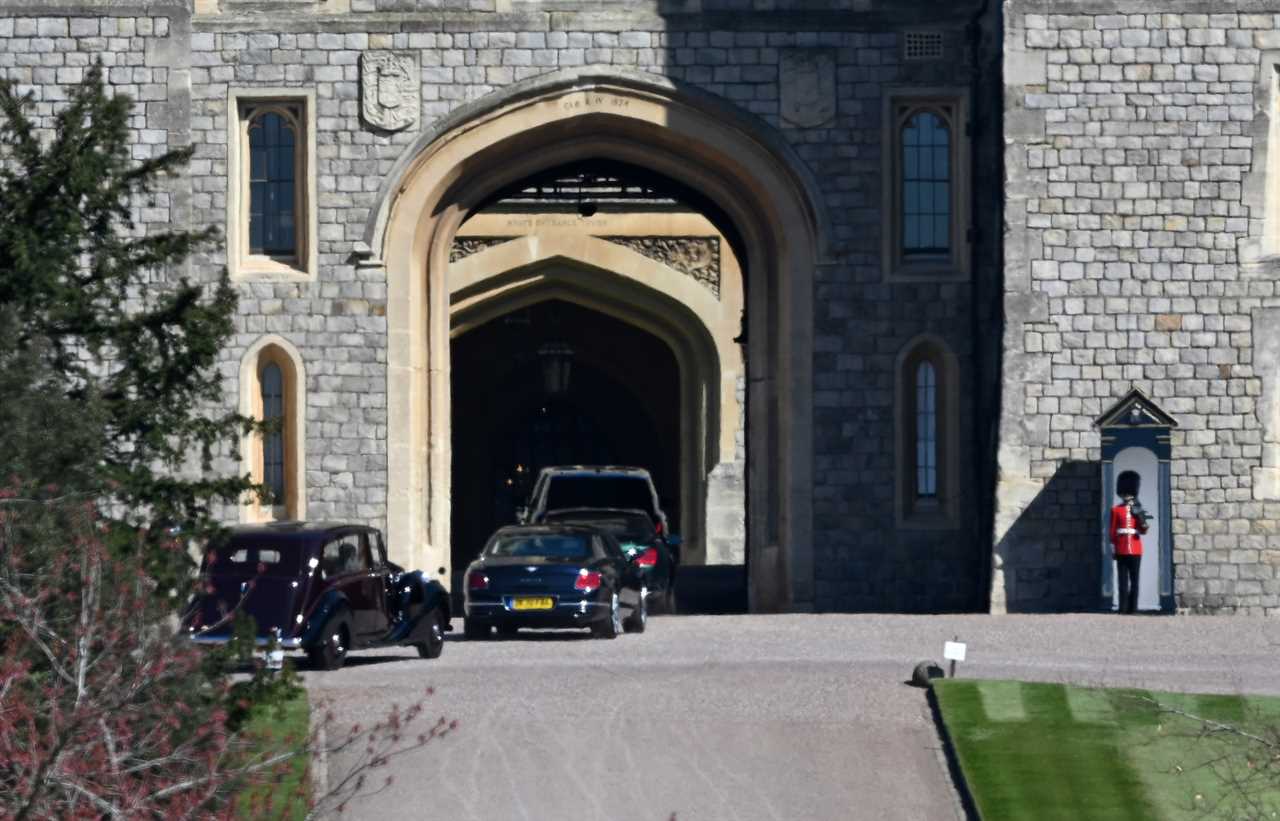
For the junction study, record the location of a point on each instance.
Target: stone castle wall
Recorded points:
(179, 61)
(1136, 255)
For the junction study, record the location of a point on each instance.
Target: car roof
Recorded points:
(595, 470)
(597, 512)
(538, 529)
(293, 530)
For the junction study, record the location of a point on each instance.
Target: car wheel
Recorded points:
(635, 623)
(434, 645)
(609, 628)
(331, 654)
(474, 631)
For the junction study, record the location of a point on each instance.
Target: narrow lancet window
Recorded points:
(926, 429)
(273, 444)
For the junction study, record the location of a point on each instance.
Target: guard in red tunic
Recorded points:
(1128, 523)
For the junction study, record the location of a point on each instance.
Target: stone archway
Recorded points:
(730, 158)
(701, 357)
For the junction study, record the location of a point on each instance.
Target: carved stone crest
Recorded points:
(808, 86)
(464, 247)
(696, 257)
(390, 90)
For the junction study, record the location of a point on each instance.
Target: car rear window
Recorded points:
(237, 557)
(551, 546)
(626, 529)
(599, 491)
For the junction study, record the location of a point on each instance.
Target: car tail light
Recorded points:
(649, 558)
(587, 580)
(477, 581)
(658, 527)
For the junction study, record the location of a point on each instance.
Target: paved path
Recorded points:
(745, 717)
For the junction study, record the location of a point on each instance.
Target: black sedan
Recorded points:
(553, 576)
(655, 556)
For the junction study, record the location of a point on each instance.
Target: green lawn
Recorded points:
(1050, 751)
(282, 800)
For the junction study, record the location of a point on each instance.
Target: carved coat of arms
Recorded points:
(390, 90)
(808, 86)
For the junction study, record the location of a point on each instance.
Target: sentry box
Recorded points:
(1136, 454)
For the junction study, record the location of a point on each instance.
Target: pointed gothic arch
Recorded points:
(727, 156)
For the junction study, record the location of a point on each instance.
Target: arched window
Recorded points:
(273, 184)
(926, 186)
(271, 380)
(928, 424)
(926, 431)
(925, 220)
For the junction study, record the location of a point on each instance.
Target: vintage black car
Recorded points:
(655, 556)
(548, 576)
(326, 588)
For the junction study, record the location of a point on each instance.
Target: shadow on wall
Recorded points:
(1052, 557)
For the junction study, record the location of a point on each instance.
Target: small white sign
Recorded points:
(953, 651)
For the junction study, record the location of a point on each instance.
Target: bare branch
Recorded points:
(1215, 726)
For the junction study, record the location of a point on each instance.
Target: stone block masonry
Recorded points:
(180, 60)
(1134, 132)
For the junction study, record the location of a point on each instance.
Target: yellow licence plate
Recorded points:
(532, 603)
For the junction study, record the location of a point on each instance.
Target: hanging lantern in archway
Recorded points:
(557, 361)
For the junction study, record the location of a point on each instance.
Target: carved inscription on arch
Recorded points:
(697, 257)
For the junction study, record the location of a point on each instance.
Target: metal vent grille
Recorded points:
(922, 45)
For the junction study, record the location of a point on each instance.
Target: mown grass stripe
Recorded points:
(1090, 706)
(1227, 708)
(1047, 767)
(1002, 701)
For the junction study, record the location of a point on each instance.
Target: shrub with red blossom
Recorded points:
(105, 712)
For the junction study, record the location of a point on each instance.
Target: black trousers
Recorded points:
(1127, 570)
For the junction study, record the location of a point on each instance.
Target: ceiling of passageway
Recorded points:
(622, 399)
(599, 184)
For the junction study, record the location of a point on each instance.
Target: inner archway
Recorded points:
(550, 384)
(732, 159)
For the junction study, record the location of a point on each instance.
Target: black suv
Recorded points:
(573, 487)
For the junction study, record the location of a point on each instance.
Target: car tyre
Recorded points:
(474, 631)
(331, 654)
(610, 627)
(639, 617)
(434, 645)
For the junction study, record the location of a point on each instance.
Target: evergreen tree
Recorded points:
(107, 377)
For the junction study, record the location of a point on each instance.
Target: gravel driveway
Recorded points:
(745, 717)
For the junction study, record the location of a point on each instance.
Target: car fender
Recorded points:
(330, 603)
(418, 596)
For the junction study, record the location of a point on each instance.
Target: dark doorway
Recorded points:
(551, 384)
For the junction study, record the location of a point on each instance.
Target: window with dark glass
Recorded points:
(273, 440)
(926, 185)
(272, 185)
(926, 431)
